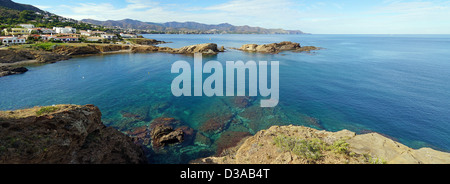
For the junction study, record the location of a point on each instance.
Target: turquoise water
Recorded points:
(396, 85)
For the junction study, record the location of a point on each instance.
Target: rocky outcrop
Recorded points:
(274, 48)
(63, 134)
(13, 56)
(269, 147)
(165, 134)
(145, 41)
(161, 132)
(206, 48)
(10, 70)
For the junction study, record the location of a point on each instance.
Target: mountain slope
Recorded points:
(17, 6)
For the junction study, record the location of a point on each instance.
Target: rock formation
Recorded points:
(10, 70)
(267, 147)
(161, 132)
(274, 48)
(206, 48)
(63, 134)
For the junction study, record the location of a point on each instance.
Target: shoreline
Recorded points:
(67, 51)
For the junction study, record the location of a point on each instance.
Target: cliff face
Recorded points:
(63, 134)
(303, 145)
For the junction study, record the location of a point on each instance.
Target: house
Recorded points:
(98, 33)
(109, 36)
(16, 31)
(85, 33)
(48, 37)
(66, 29)
(28, 26)
(41, 30)
(48, 31)
(128, 35)
(94, 39)
(9, 40)
(68, 35)
(66, 39)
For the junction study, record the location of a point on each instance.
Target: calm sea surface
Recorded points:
(397, 85)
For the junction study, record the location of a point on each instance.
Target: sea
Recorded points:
(395, 85)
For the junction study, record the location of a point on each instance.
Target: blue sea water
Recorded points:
(397, 85)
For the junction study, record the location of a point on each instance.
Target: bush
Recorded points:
(339, 146)
(47, 46)
(45, 110)
(309, 149)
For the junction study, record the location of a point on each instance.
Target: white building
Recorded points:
(85, 33)
(9, 40)
(66, 39)
(28, 26)
(66, 29)
(128, 35)
(94, 39)
(109, 36)
(47, 31)
(48, 37)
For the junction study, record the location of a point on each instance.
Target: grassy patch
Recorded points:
(339, 146)
(47, 46)
(309, 149)
(45, 110)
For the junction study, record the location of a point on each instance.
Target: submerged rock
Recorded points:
(229, 139)
(164, 134)
(63, 134)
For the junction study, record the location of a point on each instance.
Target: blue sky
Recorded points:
(319, 17)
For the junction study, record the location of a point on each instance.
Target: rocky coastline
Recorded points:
(304, 145)
(75, 134)
(13, 61)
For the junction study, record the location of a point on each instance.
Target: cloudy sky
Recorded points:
(319, 17)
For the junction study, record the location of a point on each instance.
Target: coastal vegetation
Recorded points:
(311, 149)
(46, 110)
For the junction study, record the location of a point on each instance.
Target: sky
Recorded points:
(317, 17)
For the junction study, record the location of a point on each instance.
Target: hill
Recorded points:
(17, 6)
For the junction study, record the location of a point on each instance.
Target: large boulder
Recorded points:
(63, 134)
(164, 134)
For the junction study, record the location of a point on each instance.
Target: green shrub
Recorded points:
(45, 110)
(309, 149)
(47, 46)
(339, 146)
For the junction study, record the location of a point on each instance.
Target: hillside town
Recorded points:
(28, 33)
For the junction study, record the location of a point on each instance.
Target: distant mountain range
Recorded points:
(188, 27)
(150, 27)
